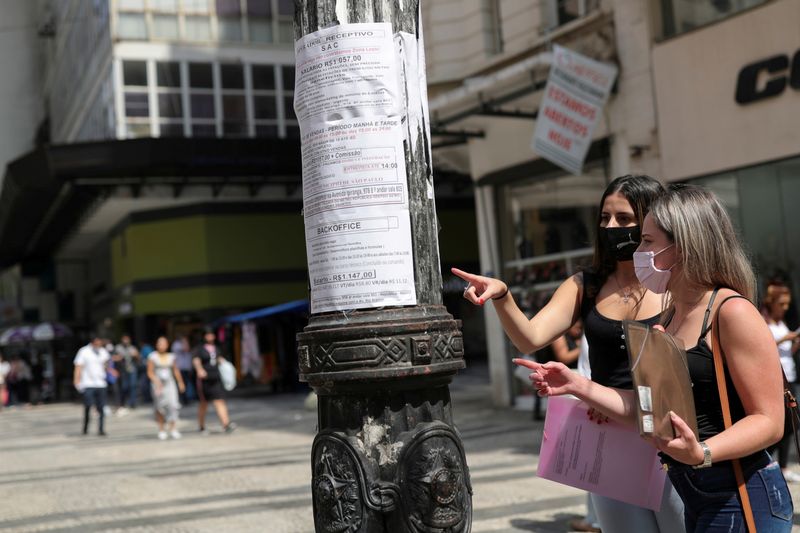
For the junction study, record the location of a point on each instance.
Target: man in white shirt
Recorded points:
(91, 364)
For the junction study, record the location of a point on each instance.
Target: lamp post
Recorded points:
(387, 456)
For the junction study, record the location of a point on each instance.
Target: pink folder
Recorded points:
(609, 459)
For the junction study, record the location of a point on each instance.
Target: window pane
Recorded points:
(264, 107)
(260, 30)
(286, 7)
(201, 76)
(195, 6)
(264, 77)
(202, 106)
(170, 105)
(170, 6)
(234, 128)
(131, 5)
(233, 107)
(204, 130)
(198, 29)
(138, 129)
(230, 29)
(259, 8)
(288, 108)
(134, 73)
(288, 78)
(171, 129)
(292, 131)
(228, 7)
(232, 76)
(136, 105)
(165, 27)
(131, 26)
(168, 74)
(286, 32)
(263, 130)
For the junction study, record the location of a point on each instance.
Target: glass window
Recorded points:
(170, 6)
(259, 8)
(260, 30)
(292, 131)
(264, 107)
(131, 5)
(286, 7)
(232, 76)
(138, 129)
(202, 105)
(230, 29)
(286, 31)
(234, 128)
(264, 77)
(195, 6)
(266, 130)
(201, 76)
(680, 16)
(134, 73)
(288, 108)
(165, 27)
(198, 28)
(168, 74)
(233, 107)
(171, 129)
(229, 7)
(170, 105)
(137, 105)
(131, 26)
(204, 130)
(288, 78)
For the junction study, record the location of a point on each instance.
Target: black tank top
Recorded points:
(704, 381)
(608, 357)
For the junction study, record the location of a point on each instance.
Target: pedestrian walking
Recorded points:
(127, 360)
(5, 368)
(91, 364)
(206, 360)
(690, 250)
(166, 383)
(601, 297)
(183, 356)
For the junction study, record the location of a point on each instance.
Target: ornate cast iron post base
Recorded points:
(387, 456)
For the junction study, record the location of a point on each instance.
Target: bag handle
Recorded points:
(716, 350)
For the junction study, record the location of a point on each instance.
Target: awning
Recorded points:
(288, 307)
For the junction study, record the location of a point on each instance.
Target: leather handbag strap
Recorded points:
(791, 411)
(716, 349)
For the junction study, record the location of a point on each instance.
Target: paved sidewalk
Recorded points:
(256, 479)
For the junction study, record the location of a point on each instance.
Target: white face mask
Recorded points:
(649, 276)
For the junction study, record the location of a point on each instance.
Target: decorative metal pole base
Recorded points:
(387, 456)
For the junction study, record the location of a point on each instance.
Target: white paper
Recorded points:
(358, 234)
(576, 92)
(355, 193)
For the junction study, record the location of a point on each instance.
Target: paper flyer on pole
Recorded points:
(576, 93)
(607, 459)
(355, 194)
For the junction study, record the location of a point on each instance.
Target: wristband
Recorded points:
(501, 296)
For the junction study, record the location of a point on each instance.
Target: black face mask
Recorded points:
(621, 242)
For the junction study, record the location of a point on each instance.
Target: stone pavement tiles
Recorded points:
(255, 479)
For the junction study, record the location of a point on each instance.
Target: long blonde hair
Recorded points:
(712, 256)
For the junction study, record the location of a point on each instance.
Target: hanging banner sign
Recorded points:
(576, 92)
(355, 193)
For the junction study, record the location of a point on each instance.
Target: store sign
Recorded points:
(781, 73)
(576, 92)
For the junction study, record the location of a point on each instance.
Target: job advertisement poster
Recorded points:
(355, 195)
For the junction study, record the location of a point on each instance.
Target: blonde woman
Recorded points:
(690, 249)
(601, 297)
(165, 383)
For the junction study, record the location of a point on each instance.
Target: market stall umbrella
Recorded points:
(16, 335)
(47, 331)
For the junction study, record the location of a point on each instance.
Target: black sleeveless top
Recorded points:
(704, 382)
(608, 357)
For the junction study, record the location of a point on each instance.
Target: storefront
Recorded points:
(729, 121)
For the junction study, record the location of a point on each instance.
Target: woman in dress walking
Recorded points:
(165, 382)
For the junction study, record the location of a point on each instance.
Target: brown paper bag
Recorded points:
(661, 380)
